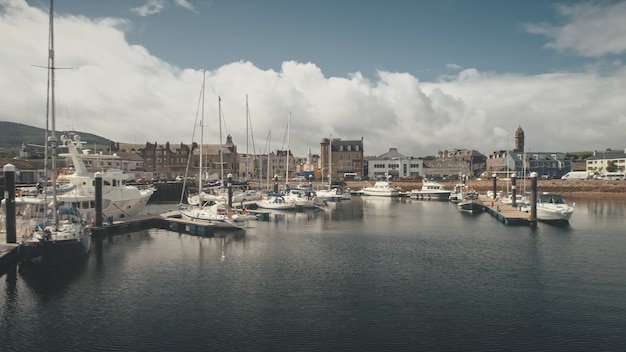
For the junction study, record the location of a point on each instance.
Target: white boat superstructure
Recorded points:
(119, 200)
(431, 190)
(457, 193)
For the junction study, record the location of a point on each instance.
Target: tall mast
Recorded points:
(288, 141)
(247, 151)
(221, 152)
(330, 161)
(269, 135)
(52, 138)
(201, 164)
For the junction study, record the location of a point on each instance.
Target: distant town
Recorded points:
(338, 159)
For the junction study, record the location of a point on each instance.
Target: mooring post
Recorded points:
(533, 197)
(229, 185)
(9, 203)
(98, 199)
(513, 190)
(495, 181)
(275, 183)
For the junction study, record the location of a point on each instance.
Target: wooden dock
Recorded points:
(506, 214)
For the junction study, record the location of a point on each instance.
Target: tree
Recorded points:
(611, 167)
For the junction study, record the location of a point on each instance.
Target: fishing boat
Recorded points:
(63, 234)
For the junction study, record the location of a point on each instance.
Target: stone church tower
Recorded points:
(519, 140)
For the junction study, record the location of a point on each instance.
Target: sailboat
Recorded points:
(63, 235)
(275, 200)
(209, 207)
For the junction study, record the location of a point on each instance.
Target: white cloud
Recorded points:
(186, 4)
(591, 29)
(151, 7)
(123, 92)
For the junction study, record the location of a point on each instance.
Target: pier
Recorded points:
(506, 214)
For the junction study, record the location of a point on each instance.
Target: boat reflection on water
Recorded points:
(303, 215)
(49, 280)
(381, 200)
(344, 211)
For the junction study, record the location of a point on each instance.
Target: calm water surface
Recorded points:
(367, 275)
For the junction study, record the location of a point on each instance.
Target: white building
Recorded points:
(395, 165)
(600, 160)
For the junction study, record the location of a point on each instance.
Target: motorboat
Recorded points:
(551, 207)
(468, 202)
(381, 189)
(76, 188)
(119, 200)
(431, 190)
(457, 193)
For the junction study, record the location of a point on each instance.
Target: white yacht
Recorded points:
(119, 200)
(551, 207)
(381, 189)
(431, 190)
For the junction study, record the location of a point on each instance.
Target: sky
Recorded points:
(419, 76)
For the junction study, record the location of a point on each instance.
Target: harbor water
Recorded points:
(371, 274)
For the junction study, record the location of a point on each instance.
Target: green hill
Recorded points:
(12, 135)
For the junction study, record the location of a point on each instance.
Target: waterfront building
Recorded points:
(394, 164)
(346, 156)
(277, 164)
(546, 164)
(601, 160)
(456, 162)
(161, 159)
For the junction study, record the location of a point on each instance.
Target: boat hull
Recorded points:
(379, 193)
(49, 253)
(554, 214)
(469, 207)
(430, 195)
(221, 221)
